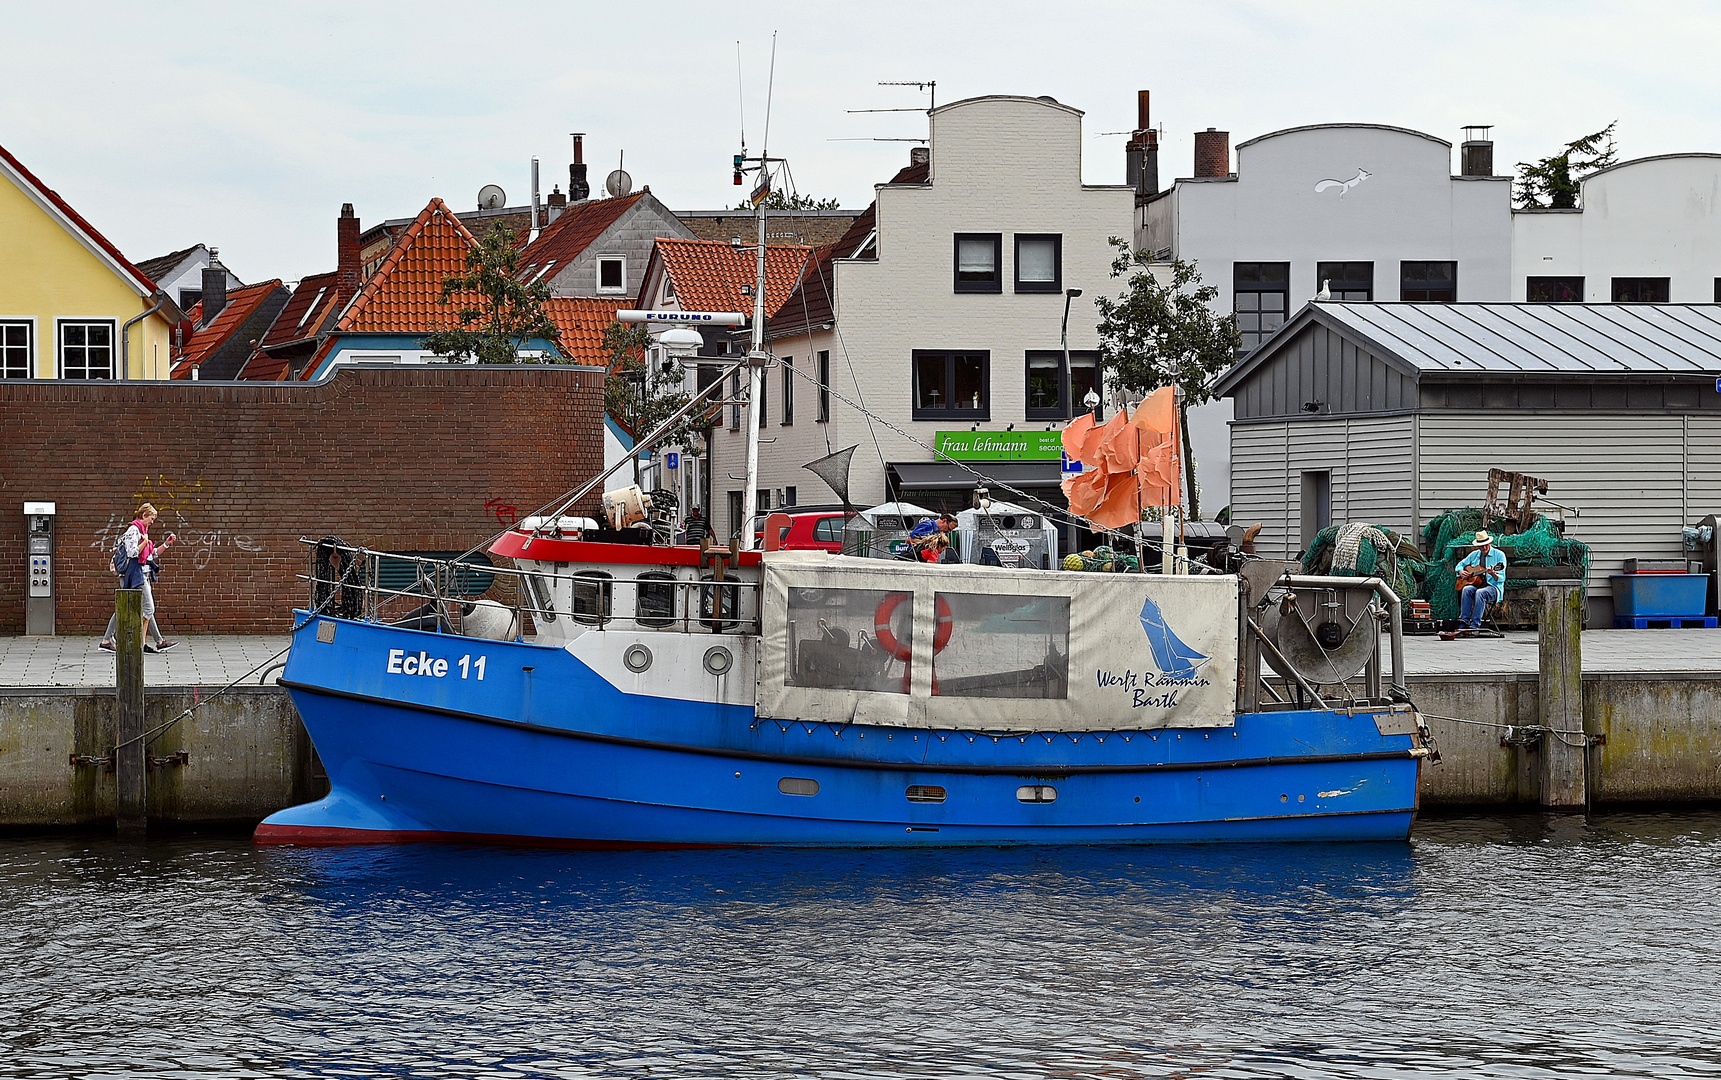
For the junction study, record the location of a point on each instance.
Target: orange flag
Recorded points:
(1121, 505)
(1074, 434)
(1158, 412)
(1085, 491)
(1093, 448)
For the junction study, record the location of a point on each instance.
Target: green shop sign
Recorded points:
(1000, 445)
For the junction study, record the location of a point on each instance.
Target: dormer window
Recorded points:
(668, 289)
(612, 274)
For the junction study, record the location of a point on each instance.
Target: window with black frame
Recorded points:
(1554, 290)
(1039, 263)
(1261, 298)
(1428, 282)
(824, 386)
(1057, 393)
(1640, 290)
(979, 262)
(952, 385)
(1345, 280)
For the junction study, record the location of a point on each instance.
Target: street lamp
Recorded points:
(1064, 337)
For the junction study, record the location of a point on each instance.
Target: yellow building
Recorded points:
(71, 306)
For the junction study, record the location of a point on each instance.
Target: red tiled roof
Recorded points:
(242, 303)
(298, 320)
(76, 220)
(709, 276)
(404, 296)
(582, 321)
(565, 238)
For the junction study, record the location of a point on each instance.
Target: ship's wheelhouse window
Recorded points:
(1002, 646)
(540, 596)
(593, 595)
(656, 599)
(710, 597)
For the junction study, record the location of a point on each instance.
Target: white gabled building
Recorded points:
(1645, 231)
(1371, 212)
(941, 313)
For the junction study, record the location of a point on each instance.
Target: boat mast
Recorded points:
(756, 359)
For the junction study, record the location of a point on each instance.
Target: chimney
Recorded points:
(578, 189)
(1141, 153)
(554, 204)
(1212, 153)
(1476, 156)
(920, 155)
(214, 287)
(537, 206)
(348, 266)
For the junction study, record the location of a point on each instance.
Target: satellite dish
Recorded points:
(618, 184)
(491, 197)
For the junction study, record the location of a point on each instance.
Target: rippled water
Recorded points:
(1517, 947)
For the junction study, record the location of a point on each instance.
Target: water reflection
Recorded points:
(1522, 946)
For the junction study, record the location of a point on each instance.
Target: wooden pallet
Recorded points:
(1665, 623)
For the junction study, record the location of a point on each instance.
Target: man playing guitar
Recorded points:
(1481, 580)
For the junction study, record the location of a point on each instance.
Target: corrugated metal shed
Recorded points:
(1540, 338)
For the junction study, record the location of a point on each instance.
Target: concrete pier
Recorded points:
(1653, 697)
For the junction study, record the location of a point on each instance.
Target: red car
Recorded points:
(818, 530)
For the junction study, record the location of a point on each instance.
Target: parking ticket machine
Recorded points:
(39, 554)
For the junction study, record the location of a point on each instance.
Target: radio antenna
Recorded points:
(741, 94)
(770, 85)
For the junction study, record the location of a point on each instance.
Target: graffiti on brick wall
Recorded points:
(506, 513)
(182, 506)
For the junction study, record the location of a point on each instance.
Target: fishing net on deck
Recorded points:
(1362, 550)
(1451, 535)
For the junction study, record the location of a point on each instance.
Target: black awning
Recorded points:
(941, 475)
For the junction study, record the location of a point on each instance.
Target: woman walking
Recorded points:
(140, 570)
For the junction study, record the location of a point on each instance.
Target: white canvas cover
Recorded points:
(847, 639)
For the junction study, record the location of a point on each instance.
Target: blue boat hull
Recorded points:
(544, 751)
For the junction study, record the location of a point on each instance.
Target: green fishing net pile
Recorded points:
(1451, 535)
(1404, 569)
(1102, 560)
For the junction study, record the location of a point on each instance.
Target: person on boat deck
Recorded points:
(695, 528)
(936, 549)
(941, 526)
(1475, 599)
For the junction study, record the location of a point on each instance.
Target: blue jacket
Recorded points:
(1496, 570)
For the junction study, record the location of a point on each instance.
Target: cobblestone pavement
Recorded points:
(209, 660)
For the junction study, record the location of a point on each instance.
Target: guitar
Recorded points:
(1476, 575)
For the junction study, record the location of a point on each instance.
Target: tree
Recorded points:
(501, 312)
(641, 395)
(1156, 335)
(776, 200)
(1556, 179)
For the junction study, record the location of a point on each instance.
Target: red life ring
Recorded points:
(943, 626)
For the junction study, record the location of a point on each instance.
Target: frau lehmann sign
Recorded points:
(1000, 445)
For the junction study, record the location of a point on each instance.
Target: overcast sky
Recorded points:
(246, 126)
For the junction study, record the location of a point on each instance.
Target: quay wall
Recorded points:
(247, 754)
(398, 457)
(1661, 735)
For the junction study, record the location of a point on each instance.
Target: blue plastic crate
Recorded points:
(1659, 596)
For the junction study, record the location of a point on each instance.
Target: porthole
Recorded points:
(718, 660)
(798, 785)
(637, 658)
(925, 793)
(1037, 793)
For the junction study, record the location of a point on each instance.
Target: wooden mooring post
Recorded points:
(130, 817)
(1560, 685)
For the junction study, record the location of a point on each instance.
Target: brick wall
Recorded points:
(404, 458)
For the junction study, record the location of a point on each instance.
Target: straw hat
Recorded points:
(1482, 537)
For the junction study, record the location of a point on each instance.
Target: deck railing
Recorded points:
(474, 599)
